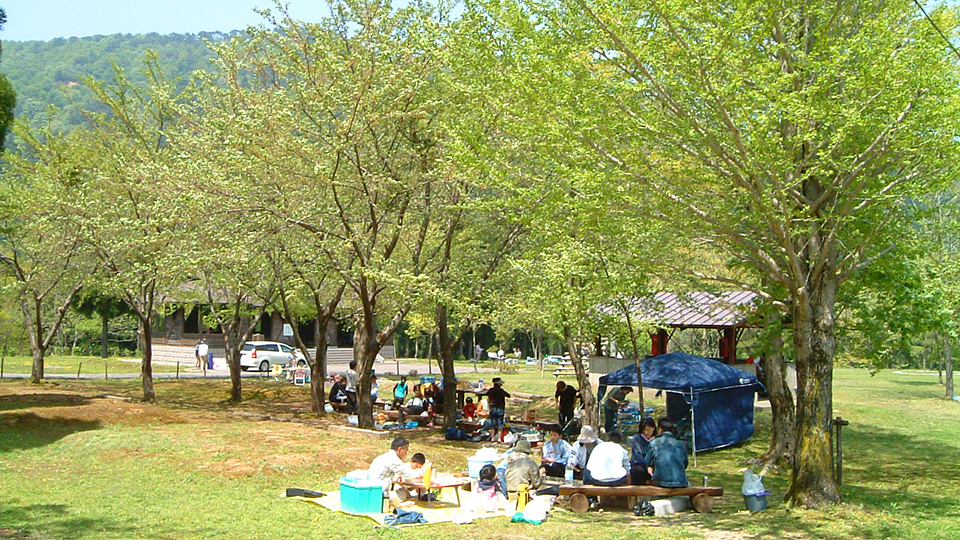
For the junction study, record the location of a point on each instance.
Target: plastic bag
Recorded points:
(752, 483)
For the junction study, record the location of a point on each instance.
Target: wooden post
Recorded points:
(106, 373)
(1, 366)
(78, 369)
(178, 370)
(840, 422)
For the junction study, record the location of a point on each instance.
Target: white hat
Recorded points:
(587, 435)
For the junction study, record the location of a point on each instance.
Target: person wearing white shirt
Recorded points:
(609, 464)
(386, 467)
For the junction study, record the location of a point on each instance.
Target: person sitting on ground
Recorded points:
(374, 388)
(609, 464)
(469, 409)
(483, 408)
(436, 399)
(566, 398)
(487, 492)
(519, 468)
(555, 453)
(639, 444)
(388, 467)
(417, 404)
(611, 407)
(414, 471)
(338, 394)
(581, 450)
(400, 392)
(667, 456)
(497, 399)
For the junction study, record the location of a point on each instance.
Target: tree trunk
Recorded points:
(231, 344)
(318, 374)
(813, 481)
(104, 334)
(948, 365)
(365, 350)
(591, 414)
(783, 434)
(36, 370)
(445, 348)
(146, 365)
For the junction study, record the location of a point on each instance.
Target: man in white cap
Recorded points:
(580, 453)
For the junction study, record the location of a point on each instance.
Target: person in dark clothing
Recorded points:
(667, 457)
(611, 407)
(566, 397)
(497, 399)
(639, 444)
(338, 394)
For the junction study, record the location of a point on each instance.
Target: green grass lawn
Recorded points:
(75, 466)
(91, 365)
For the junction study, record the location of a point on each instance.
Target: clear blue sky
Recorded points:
(48, 19)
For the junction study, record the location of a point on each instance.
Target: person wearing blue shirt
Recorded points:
(555, 453)
(639, 444)
(667, 457)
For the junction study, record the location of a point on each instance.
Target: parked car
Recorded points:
(263, 354)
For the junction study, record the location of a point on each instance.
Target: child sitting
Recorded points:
(469, 410)
(486, 496)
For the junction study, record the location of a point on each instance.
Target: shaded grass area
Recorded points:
(89, 365)
(73, 465)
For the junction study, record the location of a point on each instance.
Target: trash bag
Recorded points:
(752, 483)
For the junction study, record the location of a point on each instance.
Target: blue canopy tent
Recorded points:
(718, 397)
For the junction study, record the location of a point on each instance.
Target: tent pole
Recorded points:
(693, 425)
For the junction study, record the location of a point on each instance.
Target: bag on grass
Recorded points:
(752, 483)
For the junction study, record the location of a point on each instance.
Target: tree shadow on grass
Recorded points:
(53, 521)
(33, 401)
(25, 430)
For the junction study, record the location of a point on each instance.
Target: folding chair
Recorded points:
(300, 377)
(276, 371)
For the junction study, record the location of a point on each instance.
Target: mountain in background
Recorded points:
(45, 73)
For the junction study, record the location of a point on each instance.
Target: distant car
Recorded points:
(263, 354)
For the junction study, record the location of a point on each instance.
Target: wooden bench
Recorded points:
(701, 498)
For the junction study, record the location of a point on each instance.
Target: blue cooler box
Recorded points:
(360, 495)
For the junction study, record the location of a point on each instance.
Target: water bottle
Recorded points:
(480, 385)
(568, 474)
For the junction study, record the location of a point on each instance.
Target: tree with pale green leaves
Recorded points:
(787, 136)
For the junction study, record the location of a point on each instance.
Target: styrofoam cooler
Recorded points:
(361, 495)
(474, 465)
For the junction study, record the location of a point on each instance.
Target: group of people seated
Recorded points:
(390, 468)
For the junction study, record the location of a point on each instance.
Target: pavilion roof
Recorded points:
(697, 309)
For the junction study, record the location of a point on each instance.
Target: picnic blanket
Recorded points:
(444, 509)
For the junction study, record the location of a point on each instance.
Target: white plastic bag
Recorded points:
(752, 483)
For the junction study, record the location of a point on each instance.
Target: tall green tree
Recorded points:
(787, 135)
(8, 96)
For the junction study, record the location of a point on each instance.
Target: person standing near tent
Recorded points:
(611, 407)
(667, 457)
(566, 398)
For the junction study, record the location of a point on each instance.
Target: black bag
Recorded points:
(298, 492)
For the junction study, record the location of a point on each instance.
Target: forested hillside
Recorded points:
(48, 73)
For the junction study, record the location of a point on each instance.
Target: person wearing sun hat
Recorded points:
(581, 451)
(521, 468)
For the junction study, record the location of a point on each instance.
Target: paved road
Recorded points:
(387, 367)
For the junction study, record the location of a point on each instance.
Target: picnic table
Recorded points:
(438, 484)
